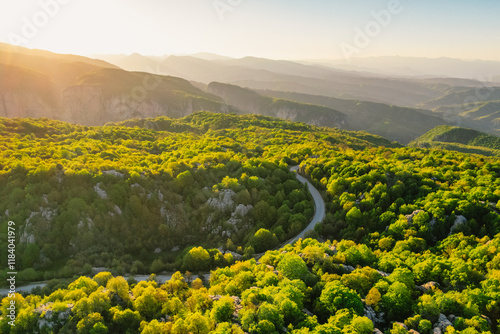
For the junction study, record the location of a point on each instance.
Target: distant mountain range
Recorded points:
(421, 80)
(93, 92)
(37, 83)
(482, 70)
(259, 73)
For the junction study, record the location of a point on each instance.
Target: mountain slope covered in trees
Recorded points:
(413, 234)
(459, 139)
(146, 190)
(396, 123)
(252, 102)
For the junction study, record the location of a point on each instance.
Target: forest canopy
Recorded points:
(410, 240)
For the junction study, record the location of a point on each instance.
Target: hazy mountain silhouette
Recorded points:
(37, 83)
(483, 70)
(314, 79)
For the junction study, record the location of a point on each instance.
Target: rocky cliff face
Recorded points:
(331, 119)
(89, 105)
(24, 104)
(92, 95)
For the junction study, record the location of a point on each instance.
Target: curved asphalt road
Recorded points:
(319, 204)
(319, 212)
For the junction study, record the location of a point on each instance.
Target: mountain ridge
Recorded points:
(459, 139)
(249, 101)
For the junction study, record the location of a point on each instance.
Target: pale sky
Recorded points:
(284, 29)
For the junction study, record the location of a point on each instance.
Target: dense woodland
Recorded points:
(410, 241)
(136, 191)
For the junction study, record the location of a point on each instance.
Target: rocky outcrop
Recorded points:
(348, 269)
(459, 222)
(427, 287)
(40, 219)
(79, 99)
(298, 113)
(409, 217)
(442, 323)
(224, 201)
(241, 210)
(114, 173)
(373, 316)
(50, 318)
(100, 192)
(236, 256)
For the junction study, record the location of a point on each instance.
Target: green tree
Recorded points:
(373, 298)
(398, 301)
(223, 309)
(270, 313)
(336, 296)
(424, 326)
(354, 216)
(428, 308)
(102, 278)
(198, 324)
(147, 304)
(362, 325)
(293, 267)
(402, 275)
(186, 179)
(30, 255)
(263, 240)
(176, 285)
(126, 320)
(86, 325)
(156, 327)
(197, 259)
(119, 289)
(99, 328)
(398, 329)
(86, 284)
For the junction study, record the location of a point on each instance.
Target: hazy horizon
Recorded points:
(291, 30)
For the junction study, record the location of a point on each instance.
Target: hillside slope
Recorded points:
(145, 187)
(76, 89)
(396, 123)
(412, 234)
(251, 102)
(459, 139)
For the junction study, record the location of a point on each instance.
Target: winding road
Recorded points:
(319, 211)
(319, 205)
(319, 215)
